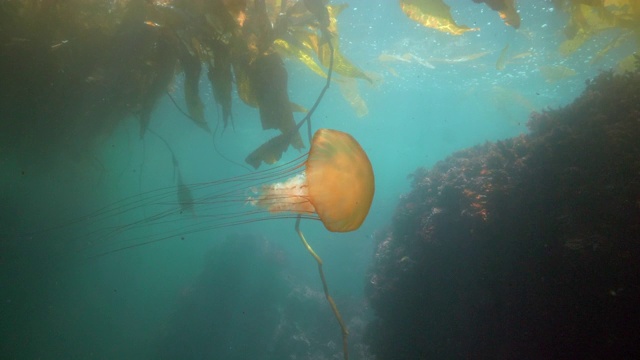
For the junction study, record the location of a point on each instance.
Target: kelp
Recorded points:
(501, 63)
(436, 14)
(119, 58)
(269, 82)
(302, 42)
(628, 64)
(506, 9)
(192, 69)
(616, 42)
(349, 91)
(221, 78)
(319, 10)
(100, 62)
(433, 14)
(287, 49)
(460, 59)
(553, 73)
(271, 151)
(587, 19)
(161, 63)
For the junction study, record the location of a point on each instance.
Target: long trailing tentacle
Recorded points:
(334, 307)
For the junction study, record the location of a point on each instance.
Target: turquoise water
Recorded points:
(132, 304)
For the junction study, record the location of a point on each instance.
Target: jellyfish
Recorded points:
(333, 183)
(337, 185)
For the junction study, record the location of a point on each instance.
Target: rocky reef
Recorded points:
(522, 248)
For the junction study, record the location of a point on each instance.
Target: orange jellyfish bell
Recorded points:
(337, 184)
(340, 179)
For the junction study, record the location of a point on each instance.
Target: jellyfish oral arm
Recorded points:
(334, 307)
(291, 195)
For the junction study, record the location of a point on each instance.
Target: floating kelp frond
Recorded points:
(433, 14)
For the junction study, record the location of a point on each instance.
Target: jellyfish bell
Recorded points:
(333, 183)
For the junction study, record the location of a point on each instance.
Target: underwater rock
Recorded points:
(522, 248)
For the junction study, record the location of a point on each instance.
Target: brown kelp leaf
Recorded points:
(510, 96)
(628, 64)
(570, 46)
(293, 15)
(191, 67)
(298, 108)
(300, 53)
(501, 64)
(236, 8)
(160, 61)
(349, 90)
(433, 14)
(341, 64)
(269, 152)
(243, 82)
(275, 9)
(408, 58)
(221, 16)
(616, 42)
(586, 21)
(334, 12)
(506, 9)
(319, 10)
(269, 82)
(553, 73)
(145, 117)
(321, 13)
(459, 59)
(221, 78)
(258, 29)
(306, 40)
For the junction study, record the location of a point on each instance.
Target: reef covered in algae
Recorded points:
(527, 247)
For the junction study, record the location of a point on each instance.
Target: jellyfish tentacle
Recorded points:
(334, 307)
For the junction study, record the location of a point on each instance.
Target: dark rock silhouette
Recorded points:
(522, 248)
